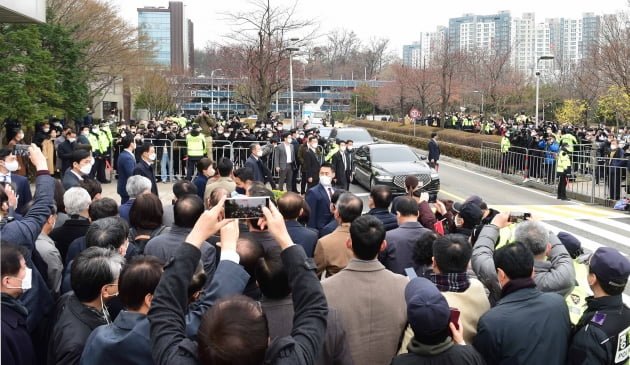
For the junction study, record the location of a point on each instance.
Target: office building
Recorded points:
(172, 35)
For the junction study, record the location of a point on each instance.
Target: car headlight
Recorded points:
(434, 176)
(384, 178)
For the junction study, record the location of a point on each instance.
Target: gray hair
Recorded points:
(137, 185)
(77, 200)
(93, 268)
(109, 232)
(532, 234)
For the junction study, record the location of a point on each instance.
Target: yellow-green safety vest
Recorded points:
(196, 145)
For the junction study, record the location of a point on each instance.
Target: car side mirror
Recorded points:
(423, 157)
(375, 139)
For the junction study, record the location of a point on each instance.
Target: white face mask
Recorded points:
(85, 169)
(612, 147)
(349, 148)
(342, 149)
(325, 180)
(314, 146)
(71, 140)
(26, 282)
(152, 157)
(85, 133)
(12, 166)
(259, 153)
(94, 130)
(46, 130)
(210, 172)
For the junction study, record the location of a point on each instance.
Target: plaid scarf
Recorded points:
(454, 282)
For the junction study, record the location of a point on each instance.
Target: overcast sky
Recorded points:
(400, 21)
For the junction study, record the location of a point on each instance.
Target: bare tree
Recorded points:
(261, 39)
(340, 48)
(114, 48)
(448, 60)
(612, 53)
(374, 56)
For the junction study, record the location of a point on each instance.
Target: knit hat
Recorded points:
(428, 312)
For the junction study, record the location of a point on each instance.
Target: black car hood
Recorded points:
(403, 168)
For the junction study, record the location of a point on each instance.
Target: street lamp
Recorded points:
(291, 50)
(538, 82)
(212, 90)
(481, 92)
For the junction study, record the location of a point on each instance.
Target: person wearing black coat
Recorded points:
(17, 347)
(144, 167)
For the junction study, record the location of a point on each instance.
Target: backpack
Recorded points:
(140, 240)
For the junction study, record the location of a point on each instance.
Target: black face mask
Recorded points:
(194, 133)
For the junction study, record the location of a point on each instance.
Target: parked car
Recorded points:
(389, 164)
(359, 136)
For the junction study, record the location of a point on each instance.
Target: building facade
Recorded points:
(171, 34)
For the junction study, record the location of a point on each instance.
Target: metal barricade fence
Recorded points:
(599, 179)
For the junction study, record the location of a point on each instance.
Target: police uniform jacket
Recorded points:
(601, 336)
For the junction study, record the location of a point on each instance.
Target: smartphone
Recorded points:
(249, 207)
(516, 217)
(21, 150)
(455, 317)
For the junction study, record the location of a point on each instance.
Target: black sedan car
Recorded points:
(389, 164)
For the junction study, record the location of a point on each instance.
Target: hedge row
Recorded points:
(453, 143)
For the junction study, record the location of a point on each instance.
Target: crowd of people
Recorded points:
(88, 280)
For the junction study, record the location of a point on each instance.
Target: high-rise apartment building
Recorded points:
(171, 33)
(567, 40)
(421, 53)
(487, 32)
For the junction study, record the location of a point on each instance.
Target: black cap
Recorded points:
(610, 266)
(469, 211)
(428, 312)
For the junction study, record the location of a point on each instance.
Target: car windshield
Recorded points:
(356, 135)
(325, 131)
(394, 154)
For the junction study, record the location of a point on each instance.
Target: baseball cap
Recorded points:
(610, 266)
(572, 244)
(428, 312)
(469, 211)
(476, 199)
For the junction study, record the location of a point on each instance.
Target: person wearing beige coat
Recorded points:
(370, 298)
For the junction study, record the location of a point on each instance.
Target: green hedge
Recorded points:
(453, 143)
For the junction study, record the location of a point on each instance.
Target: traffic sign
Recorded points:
(414, 113)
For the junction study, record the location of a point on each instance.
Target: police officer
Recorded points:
(505, 147)
(196, 149)
(563, 168)
(601, 336)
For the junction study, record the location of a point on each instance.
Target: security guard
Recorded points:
(196, 149)
(505, 148)
(563, 168)
(576, 300)
(601, 336)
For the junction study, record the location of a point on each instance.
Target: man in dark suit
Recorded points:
(77, 201)
(65, 149)
(9, 164)
(254, 163)
(144, 167)
(290, 205)
(318, 198)
(283, 161)
(341, 165)
(82, 162)
(398, 255)
(434, 151)
(125, 166)
(311, 160)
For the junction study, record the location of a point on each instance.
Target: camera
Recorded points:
(246, 207)
(516, 217)
(21, 150)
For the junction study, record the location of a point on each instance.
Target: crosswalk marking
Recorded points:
(545, 212)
